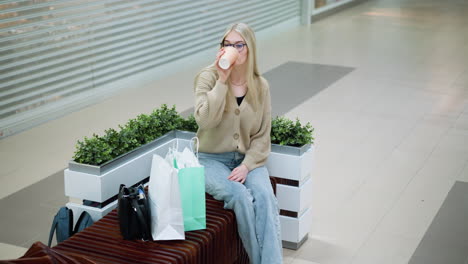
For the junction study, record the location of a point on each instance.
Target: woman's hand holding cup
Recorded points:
(225, 58)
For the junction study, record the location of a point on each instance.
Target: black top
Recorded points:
(239, 99)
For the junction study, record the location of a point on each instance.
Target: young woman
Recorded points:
(233, 112)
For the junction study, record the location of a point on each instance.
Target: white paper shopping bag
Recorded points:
(167, 221)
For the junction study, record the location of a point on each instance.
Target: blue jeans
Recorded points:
(253, 202)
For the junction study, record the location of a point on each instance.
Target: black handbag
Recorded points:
(134, 213)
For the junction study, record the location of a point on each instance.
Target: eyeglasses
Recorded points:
(238, 46)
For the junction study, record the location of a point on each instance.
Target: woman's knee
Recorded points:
(238, 196)
(258, 181)
(265, 197)
(215, 176)
(260, 172)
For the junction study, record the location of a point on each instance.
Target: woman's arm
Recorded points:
(210, 100)
(210, 94)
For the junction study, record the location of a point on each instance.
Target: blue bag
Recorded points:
(62, 224)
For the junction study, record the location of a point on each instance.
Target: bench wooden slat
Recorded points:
(218, 243)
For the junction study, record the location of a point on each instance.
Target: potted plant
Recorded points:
(290, 141)
(102, 163)
(290, 162)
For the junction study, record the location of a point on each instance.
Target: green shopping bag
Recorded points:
(191, 185)
(192, 194)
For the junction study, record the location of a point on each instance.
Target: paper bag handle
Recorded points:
(193, 141)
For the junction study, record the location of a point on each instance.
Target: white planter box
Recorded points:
(95, 213)
(100, 184)
(295, 199)
(293, 164)
(289, 166)
(295, 230)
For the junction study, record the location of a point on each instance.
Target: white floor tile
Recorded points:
(426, 134)
(322, 250)
(463, 176)
(462, 79)
(449, 105)
(288, 255)
(301, 261)
(386, 248)
(452, 143)
(8, 251)
(462, 122)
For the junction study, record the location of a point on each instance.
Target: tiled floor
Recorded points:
(391, 136)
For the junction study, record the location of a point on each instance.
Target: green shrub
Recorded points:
(146, 128)
(189, 124)
(142, 129)
(166, 119)
(287, 132)
(136, 132)
(93, 150)
(120, 142)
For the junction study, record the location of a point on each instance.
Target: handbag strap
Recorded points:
(141, 219)
(52, 230)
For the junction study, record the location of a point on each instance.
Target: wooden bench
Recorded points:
(218, 243)
(103, 243)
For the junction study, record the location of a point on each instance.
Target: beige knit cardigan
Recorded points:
(226, 127)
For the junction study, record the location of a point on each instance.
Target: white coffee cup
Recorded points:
(229, 58)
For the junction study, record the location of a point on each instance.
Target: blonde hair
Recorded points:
(253, 75)
(253, 80)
